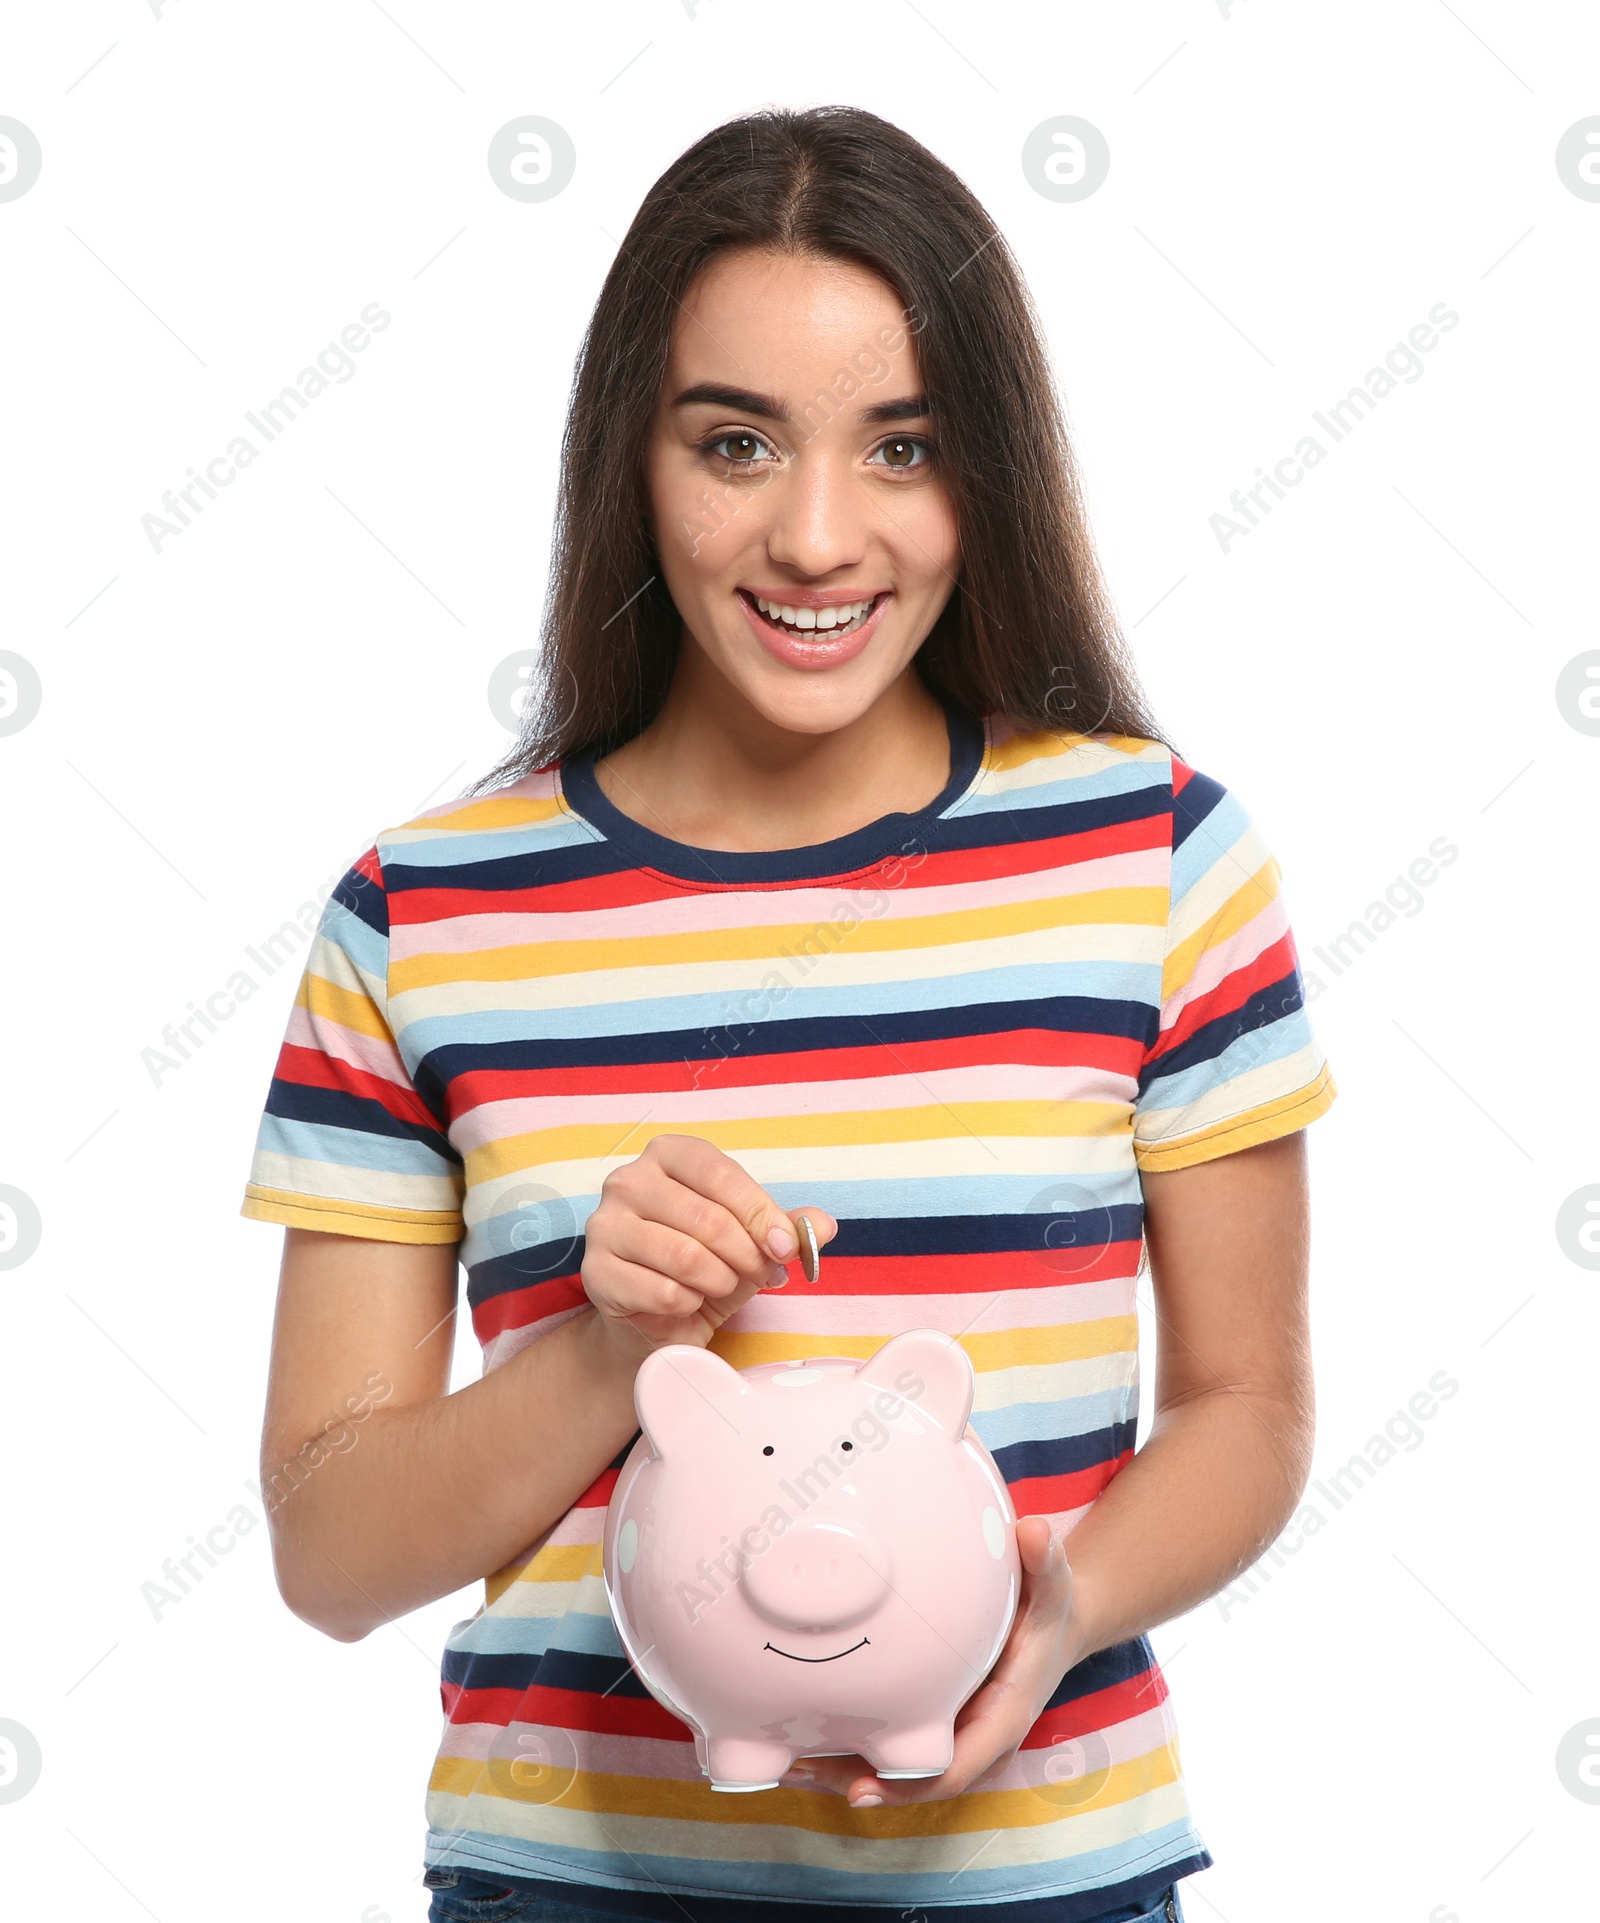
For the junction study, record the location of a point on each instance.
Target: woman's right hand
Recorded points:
(680, 1240)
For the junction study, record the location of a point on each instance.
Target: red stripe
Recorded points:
(310, 1068)
(1026, 1047)
(643, 1716)
(1098, 1710)
(858, 1275)
(1052, 1495)
(1273, 964)
(608, 1715)
(633, 887)
(522, 1308)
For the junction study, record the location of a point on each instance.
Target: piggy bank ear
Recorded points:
(688, 1398)
(931, 1371)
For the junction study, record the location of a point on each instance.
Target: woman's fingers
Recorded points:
(682, 1243)
(701, 1166)
(996, 1718)
(682, 1226)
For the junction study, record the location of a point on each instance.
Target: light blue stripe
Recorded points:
(574, 1632)
(347, 1148)
(1120, 778)
(910, 1197)
(1144, 1853)
(1116, 982)
(365, 946)
(1207, 844)
(1050, 1421)
(1254, 1049)
(484, 844)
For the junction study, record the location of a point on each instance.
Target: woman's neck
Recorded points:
(713, 772)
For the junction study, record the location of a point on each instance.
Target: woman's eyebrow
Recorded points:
(742, 400)
(912, 408)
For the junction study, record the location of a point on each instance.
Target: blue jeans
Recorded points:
(483, 1899)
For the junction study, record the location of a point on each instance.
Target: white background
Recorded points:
(226, 723)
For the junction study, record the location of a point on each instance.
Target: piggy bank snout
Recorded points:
(818, 1575)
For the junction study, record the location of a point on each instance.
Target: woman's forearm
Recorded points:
(438, 1493)
(1215, 1482)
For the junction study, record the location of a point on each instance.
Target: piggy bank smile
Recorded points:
(815, 1659)
(810, 1511)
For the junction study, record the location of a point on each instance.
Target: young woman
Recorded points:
(839, 873)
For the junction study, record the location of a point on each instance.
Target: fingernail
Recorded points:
(781, 1242)
(777, 1275)
(865, 1802)
(800, 1776)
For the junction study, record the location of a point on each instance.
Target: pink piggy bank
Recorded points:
(813, 1558)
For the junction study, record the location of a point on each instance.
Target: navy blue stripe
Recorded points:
(592, 1675)
(1061, 1234)
(1255, 1015)
(363, 898)
(1190, 808)
(1064, 1455)
(337, 1108)
(1021, 820)
(1131, 1020)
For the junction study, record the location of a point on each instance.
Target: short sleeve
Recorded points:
(347, 1144)
(1234, 1061)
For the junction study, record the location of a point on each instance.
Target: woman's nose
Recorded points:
(818, 522)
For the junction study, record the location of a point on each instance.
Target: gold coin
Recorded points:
(810, 1254)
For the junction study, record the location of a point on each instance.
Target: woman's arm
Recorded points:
(375, 1515)
(383, 1491)
(1230, 1446)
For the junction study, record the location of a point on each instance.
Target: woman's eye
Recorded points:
(906, 451)
(741, 448)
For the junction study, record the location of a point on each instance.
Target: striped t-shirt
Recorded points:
(963, 1032)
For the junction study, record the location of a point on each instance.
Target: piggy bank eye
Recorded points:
(767, 1451)
(847, 1445)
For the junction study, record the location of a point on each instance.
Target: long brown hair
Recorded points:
(1029, 629)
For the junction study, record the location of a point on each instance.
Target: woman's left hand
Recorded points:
(1045, 1641)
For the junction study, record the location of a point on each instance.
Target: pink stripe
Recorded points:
(794, 1311)
(1217, 963)
(868, 1094)
(369, 1053)
(699, 914)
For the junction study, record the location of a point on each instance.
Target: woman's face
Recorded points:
(804, 531)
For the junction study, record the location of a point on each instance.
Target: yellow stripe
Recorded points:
(693, 1800)
(998, 1349)
(1242, 906)
(494, 811)
(566, 1562)
(350, 1008)
(1045, 744)
(596, 1141)
(526, 961)
(349, 1218)
(1284, 1116)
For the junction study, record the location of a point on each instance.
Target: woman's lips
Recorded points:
(811, 647)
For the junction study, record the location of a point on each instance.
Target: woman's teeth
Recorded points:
(839, 619)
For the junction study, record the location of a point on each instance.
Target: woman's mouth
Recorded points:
(804, 635)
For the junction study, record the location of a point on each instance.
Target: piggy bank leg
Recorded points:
(926, 1749)
(746, 1762)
